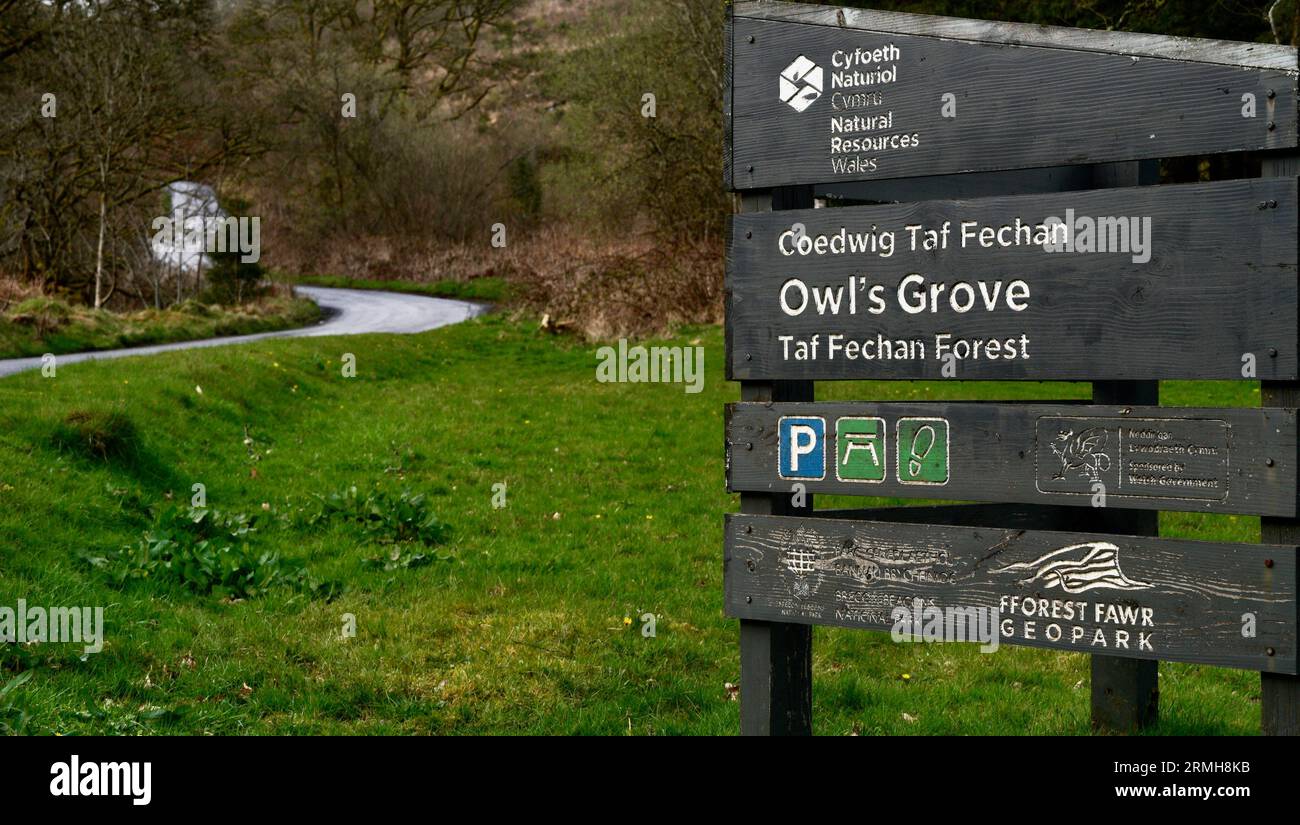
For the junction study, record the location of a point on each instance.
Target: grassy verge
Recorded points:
(487, 289)
(41, 325)
(519, 619)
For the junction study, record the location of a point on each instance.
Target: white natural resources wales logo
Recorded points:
(801, 83)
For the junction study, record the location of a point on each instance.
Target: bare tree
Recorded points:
(413, 60)
(133, 82)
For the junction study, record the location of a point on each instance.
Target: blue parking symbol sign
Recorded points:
(801, 447)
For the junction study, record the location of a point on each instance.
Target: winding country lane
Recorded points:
(349, 311)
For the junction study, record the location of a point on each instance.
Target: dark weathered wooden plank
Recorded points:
(727, 55)
(775, 657)
(1125, 693)
(1128, 596)
(1162, 458)
(1003, 516)
(972, 185)
(996, 32)
(1279, 699)
(775, 679)
(1209, 280)
(1024, 96)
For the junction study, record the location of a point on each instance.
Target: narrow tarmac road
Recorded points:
(351, 312)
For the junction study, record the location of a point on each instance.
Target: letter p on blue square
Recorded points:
(801, 447)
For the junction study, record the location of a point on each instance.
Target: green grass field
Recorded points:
(519, 623)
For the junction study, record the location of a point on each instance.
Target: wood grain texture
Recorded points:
(1026, 96)
(1125, 693)
(1001, 516)
(1019, 453)
(775, 657)
(727, 56)
(994, 32)
(1280, 693)
(971, 185)
(1220, 283)
(1156, 598)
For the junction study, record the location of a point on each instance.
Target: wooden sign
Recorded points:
(996, 251)
(1211, 460)
(817, 94)
(1195, 281)
(1125, 596)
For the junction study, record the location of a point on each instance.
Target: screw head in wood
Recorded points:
(1270, 651)
(750, 600)
(750, 38)
(1268, 562)
(1268, 462)
(749, 234)
(749, 528)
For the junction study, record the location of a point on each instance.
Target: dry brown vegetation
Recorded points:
(613, 219)
(596, 286)
(14, 291)
(468, 115)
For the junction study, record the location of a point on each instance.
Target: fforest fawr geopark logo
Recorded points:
(801, 83)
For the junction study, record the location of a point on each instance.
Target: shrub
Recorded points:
(618, 164)
(207, 552)
(403, 558)
(386, 518)
(232, 281)
(525, 183)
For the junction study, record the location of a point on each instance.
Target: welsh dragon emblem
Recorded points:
(1082, 453)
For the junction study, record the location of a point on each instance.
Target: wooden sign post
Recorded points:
(986, 255)
(1175, 282)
